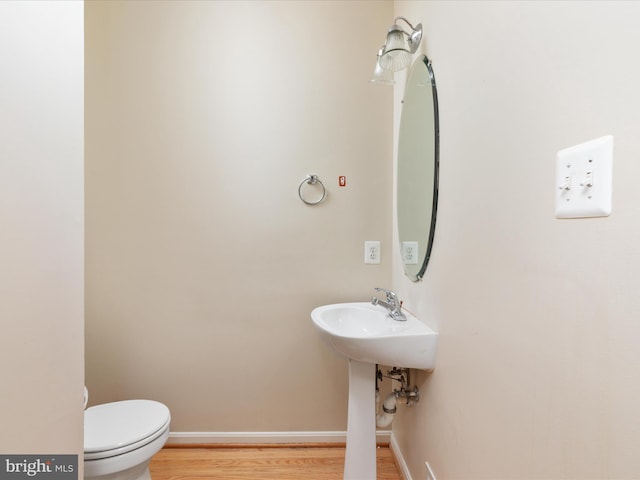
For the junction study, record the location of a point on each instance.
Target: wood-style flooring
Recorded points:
(261, 463)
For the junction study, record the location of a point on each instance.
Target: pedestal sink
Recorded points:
(367, 335)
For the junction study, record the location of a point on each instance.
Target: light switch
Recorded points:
(584, 179)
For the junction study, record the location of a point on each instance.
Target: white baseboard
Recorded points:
(257, 438)
(402, 464)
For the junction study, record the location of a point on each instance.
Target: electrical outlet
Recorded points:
(430, 474)
(410, 253)
(372, 251)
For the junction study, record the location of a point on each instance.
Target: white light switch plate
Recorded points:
(584, 179)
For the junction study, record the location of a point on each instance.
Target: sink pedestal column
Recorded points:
(360, 460)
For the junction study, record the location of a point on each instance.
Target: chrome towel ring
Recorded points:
(312, 180)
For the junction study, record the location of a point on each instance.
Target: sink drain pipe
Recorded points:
(385, 418)
(389, 409)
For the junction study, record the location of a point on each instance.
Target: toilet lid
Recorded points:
(118, 424)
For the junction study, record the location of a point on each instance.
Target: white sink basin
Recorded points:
(366, 333)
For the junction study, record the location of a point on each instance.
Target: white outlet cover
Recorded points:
(372, 252)
(584, 178)
(410, 253)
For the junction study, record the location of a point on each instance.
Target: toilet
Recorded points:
(121, 437)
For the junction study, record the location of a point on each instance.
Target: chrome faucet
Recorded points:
(392, 304)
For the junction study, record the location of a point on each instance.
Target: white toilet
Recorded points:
(121, 437)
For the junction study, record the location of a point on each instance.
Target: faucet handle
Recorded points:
(391, 296)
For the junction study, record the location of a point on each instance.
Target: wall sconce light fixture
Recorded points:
(382, 75)
(395, 54)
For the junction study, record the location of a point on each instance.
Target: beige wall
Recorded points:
(538, 371)
(202, 264)
(41, 140)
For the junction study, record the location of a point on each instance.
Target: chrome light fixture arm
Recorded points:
(413, 38)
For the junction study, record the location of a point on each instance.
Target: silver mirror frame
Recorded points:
(425, 243)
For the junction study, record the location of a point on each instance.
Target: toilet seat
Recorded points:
(115, 428)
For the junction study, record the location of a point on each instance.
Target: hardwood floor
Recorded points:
(261, 463)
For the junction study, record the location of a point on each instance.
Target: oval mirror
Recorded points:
(417, 177)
